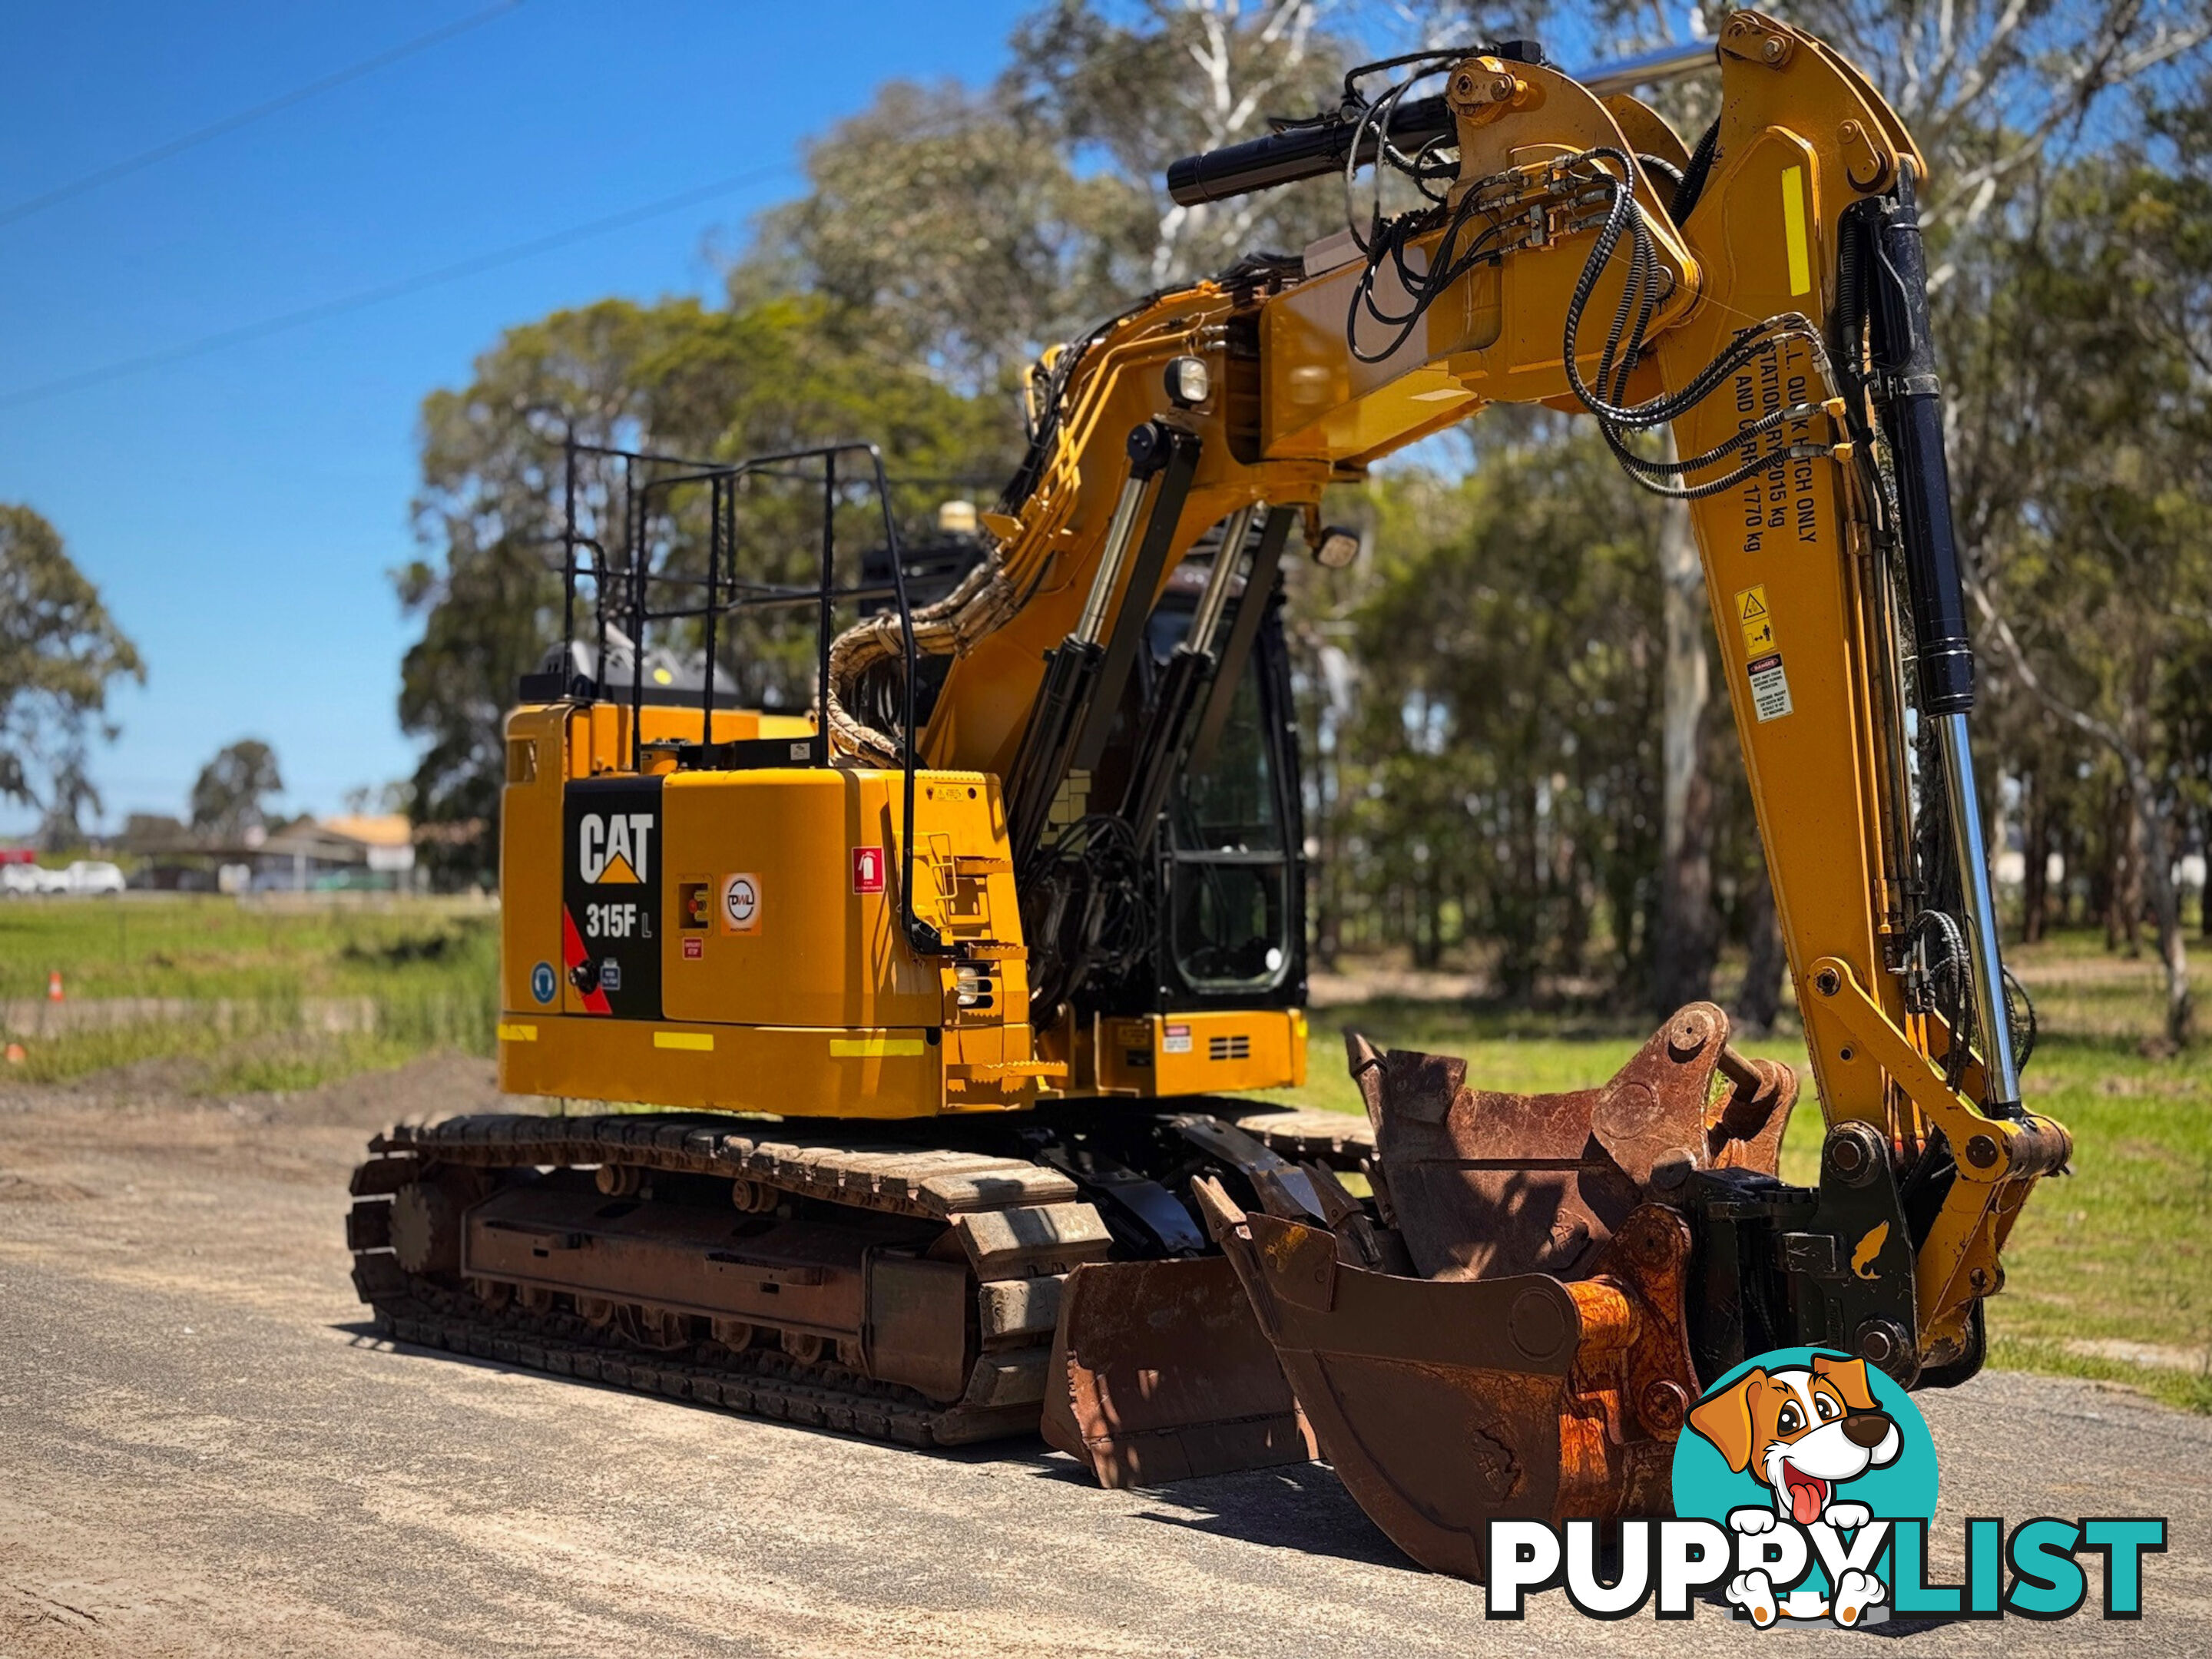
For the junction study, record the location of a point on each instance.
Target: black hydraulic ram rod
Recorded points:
(1312, 150)
(1903, 352)
(1315, 148)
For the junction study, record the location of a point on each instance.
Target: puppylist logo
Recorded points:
(1804, 1488)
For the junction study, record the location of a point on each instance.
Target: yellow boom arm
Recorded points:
(1554, 224)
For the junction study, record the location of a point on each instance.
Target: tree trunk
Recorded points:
(2128, 885)
(2155, 860)
(1327, 890)
(1427, 945)
(2124, 921)
(2035, 885)
(2101, 881)
(1574, 926)
(2204, 892)
(1683, 956)
(1760, 997)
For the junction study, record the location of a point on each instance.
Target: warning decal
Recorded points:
(1756, 620)
(1770, 687)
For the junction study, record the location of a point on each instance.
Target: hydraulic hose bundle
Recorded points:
(1475, 231)
(1612, 173)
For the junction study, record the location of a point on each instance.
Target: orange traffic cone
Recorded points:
(54, 985)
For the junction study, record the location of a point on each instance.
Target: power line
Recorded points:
(394, 290)
(246, 118)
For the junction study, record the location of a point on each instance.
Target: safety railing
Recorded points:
(635, 527)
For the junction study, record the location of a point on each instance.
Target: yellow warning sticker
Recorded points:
(1756, 620)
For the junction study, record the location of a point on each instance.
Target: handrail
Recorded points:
(632, 591)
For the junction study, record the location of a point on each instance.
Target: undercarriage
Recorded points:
(892, 1284)
(1472, 1303)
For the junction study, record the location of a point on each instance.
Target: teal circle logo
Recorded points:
(1813, 1443)
(542, 984)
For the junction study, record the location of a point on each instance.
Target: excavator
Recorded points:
(900, 1054)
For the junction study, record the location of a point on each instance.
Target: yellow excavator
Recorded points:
(895, 1048)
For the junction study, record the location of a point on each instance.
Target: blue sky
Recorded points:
(240, 510)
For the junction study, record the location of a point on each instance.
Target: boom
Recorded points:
(1763, 298)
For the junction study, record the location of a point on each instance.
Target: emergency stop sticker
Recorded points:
(1770, 687)
(741, 903)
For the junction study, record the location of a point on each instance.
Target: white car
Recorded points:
(19, 880)
(91, 876)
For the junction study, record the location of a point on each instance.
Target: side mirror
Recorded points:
(1338, 547)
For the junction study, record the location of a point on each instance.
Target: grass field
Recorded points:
(2110, 1268)
(422, 971)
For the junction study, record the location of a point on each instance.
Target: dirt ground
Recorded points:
(203, 1450)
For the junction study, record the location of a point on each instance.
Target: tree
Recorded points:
(1509, 728)
(228, 793)
(947, 227)
(371, 799)
(771, 371)
(1991, 90)
(1148, 83)
(1995, 90)
(2095, 584)
(970, 229)
(1687, 938)
(60, 652)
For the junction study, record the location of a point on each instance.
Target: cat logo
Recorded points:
(612, 848)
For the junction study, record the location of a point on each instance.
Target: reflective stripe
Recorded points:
(517, 1033)
(870, 1047)
(703, 1041)
(1793, 230)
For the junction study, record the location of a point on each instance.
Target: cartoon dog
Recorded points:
(1803, 1431)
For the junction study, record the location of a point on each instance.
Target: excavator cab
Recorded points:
(1226, 884)
(1233, 861)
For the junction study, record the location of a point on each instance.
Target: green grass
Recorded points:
(258, 976)
(2186, 1390)
(211, 947)
(2119, 1251)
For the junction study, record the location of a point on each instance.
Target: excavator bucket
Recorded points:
(1159, 1372)
(1536, 1361)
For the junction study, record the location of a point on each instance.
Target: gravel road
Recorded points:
(203, 1450)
